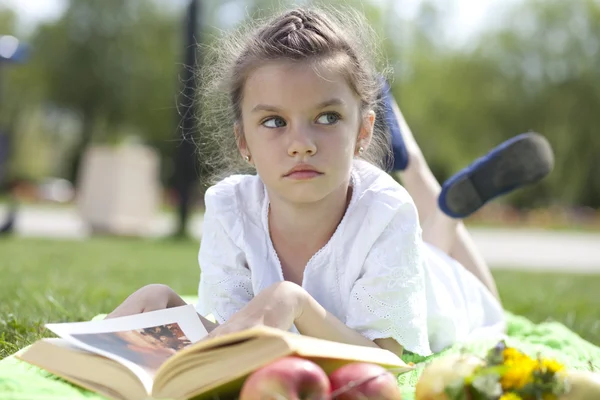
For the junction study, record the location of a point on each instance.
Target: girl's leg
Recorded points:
(448, 234)
(416, 176)
(522, 160)
(451, 236)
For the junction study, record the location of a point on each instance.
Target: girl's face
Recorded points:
(298, 117)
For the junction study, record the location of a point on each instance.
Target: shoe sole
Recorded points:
(521, 163)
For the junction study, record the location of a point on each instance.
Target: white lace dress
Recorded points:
(375, 274)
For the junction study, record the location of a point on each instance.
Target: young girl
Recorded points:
(321, 240)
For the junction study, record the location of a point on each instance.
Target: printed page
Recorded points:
(141, 342)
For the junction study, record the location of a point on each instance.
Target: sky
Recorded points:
(465, 17)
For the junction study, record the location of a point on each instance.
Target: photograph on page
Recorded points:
(141, 342)
(147, 347)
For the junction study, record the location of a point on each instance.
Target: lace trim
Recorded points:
(389, 300)
(225, 297)
(405, 320)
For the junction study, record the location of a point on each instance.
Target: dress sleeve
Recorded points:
(389, 299)
(225, 280)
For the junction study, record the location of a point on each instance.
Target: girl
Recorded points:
(321, 240)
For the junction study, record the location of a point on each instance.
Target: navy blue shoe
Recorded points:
(520, 161)
(398, 148)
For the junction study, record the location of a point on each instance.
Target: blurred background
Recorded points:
(99, 170)
(96, 127)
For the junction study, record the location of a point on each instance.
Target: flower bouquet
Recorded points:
(504, 374)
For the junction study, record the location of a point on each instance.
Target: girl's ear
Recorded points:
(366, 130)
(241, 140)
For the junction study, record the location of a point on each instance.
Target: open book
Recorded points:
(162, 355)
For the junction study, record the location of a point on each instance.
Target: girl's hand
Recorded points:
(277, 306)
(149, 298)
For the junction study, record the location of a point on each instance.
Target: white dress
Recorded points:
(375, 274)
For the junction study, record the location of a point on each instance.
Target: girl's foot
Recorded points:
(520, 161)
(398, 147)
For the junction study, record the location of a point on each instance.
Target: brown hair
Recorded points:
(314, 35)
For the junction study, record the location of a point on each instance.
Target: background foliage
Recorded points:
(108, 71)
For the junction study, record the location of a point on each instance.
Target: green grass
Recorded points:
(51, 281)
(43, 281)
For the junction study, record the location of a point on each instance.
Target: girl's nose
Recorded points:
(302, 143)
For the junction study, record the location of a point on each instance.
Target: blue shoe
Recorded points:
(520, 161)
(398, 148)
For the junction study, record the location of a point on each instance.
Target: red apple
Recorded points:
(290, 378)
(364, 381)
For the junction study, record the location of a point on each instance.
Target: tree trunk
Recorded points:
(81, 147)
(186, 165)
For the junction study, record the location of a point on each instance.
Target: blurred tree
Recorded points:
(538, 72)
(116, 66)
(8, 100)
(8, 26)
(8, 21)
(114, 63)
(456, 102)
(550, 50)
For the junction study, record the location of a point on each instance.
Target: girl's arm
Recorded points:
(176, 301)
(285, 304)
(314, 320)
(154, 297)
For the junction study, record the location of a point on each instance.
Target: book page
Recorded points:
(141, 342)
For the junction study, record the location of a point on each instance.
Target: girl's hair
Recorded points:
(314, 35)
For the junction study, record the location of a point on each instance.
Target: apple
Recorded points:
(291, 378)
(584, 385)
(443, 372)
(363, 381)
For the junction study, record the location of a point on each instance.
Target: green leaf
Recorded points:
(488, 385)
(456, 390)
(498, 370)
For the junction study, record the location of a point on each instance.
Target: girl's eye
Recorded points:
(328, 118)
(275, 122)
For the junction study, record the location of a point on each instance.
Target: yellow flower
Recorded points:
(510, 396)
(550, 365)
(513, 356)
(520, 370)
(518, 376)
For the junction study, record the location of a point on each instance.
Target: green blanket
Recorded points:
(22, 381)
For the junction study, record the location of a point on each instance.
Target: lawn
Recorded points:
(44, 280)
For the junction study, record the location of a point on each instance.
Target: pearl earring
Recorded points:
(361, 150)
(247, 158)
